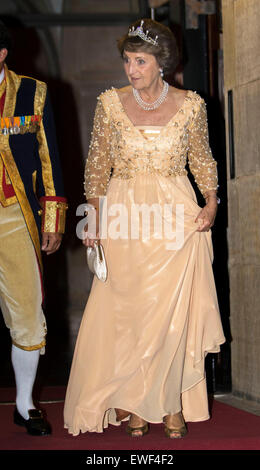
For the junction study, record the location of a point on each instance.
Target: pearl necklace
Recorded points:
(156, 103)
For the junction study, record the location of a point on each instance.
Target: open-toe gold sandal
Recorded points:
(137, 431)
(171, 430)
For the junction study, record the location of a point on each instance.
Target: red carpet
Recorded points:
(228, 429)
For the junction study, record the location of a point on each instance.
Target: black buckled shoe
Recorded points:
(36, 425)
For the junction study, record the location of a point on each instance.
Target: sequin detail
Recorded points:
(119, 149)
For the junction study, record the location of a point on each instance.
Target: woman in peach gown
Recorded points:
(145, 331)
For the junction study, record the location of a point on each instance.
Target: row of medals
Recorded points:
(30, 126)
(10, 130)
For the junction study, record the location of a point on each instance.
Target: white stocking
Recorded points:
(25, 365)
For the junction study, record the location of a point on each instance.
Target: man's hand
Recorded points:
(51, 242)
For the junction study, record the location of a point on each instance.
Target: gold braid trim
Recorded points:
(10, 200)
(47, 177)
(13, 82)
(2, 88)
(62, 207)
(30, 348)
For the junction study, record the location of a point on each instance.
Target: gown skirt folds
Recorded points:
(146, 331)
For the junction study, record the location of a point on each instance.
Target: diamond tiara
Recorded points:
(143, 35)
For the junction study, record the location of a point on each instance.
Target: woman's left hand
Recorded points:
(206, 217)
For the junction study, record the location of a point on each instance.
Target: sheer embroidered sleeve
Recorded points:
(98, 164)
(201, 162)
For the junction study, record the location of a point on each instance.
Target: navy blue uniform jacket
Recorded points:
(31, 157)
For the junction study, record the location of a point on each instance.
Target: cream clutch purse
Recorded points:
(97, 262)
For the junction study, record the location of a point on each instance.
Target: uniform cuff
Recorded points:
(53, 213)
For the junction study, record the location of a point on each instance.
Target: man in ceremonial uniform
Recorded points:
(32, 219)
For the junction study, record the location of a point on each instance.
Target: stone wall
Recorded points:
(241, 33)
(90, 64)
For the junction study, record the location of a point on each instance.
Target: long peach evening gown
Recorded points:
(146, 330)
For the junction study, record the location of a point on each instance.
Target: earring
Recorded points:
(161, 72)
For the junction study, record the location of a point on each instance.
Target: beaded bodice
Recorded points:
(126, 150)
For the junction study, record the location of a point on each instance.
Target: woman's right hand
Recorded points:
(90, 240)
(91, 237)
